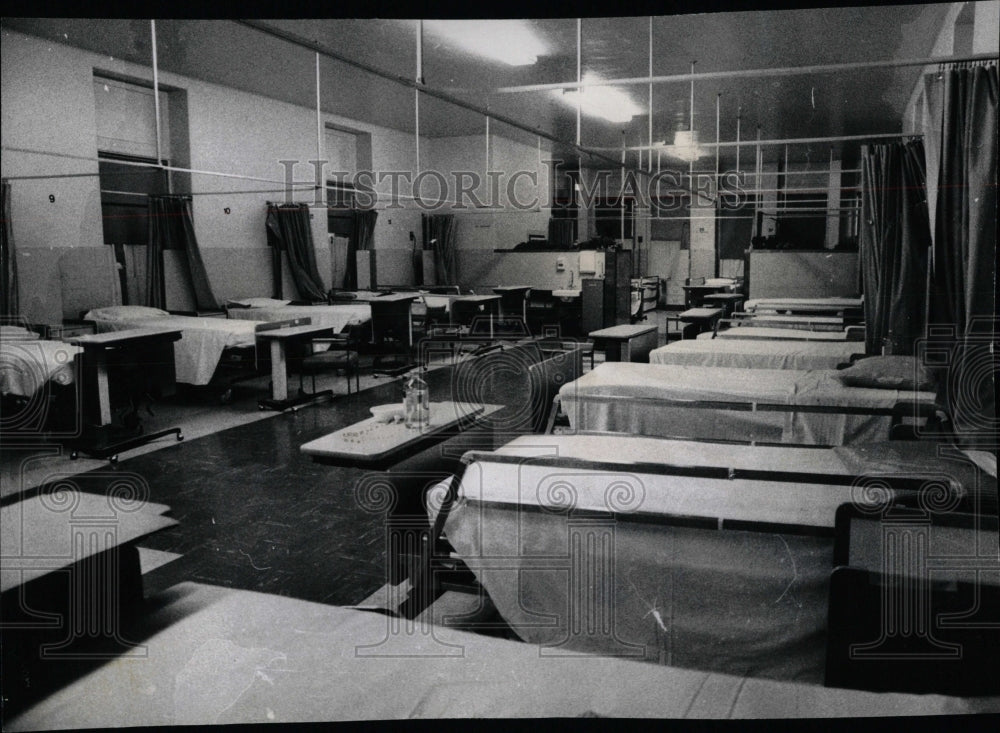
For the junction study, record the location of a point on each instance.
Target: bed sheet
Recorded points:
(665, 593)
(27, 365)
(580, 401)
(756, 354)
(202, 341)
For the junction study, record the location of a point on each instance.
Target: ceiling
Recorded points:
(803, 105)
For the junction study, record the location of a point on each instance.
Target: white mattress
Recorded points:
(27, 365)
(586, 411)
(757, 353)
(202, 340)
(337, 317)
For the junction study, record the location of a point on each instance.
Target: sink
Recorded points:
(566, 293)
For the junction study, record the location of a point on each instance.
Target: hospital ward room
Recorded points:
(360, 369)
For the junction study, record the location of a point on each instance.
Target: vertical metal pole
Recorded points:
(757, 197)
(691, 118)
(739, 118)
(651, 86)
(156, 94)
(621, 189)
(416, 92)
(579, 74)
(487, 171)
(718, 104)
(487, 146)
(319, 117)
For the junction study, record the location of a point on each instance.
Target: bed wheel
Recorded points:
(113, 460)
(226, 397)
(180, 437)
(74, 455)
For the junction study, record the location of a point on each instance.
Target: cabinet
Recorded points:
(607, 301)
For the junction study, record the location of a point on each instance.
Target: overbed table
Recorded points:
(151, 348)
(626, 342)
(728, 301)
(700, 319)
(280, 339)
(375, 444)
(513, 298)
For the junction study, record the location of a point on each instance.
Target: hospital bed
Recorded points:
(339, 316)
(206, 344)
(787, 321)
(30, 363)
(670, 551)
(37, 379)
(754, 328)
(757, 354)
(805, 407)
(814, 306)
(225, 656)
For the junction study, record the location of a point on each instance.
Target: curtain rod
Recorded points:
(747, 73)
(787, 141)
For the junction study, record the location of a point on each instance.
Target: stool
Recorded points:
(328, 360)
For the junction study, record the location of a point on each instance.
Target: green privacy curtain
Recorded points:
(8, 262)
(439, 237)
(289, 230)
(962, 279)
(894, 243)
(171, 226)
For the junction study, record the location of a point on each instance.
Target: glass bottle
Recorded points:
(416, 401)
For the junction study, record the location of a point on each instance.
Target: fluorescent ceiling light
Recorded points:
(605, 102)
(685, 146)
(513, 42)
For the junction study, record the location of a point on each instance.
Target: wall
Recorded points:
(790, 274)
(49, 105)
(478, 233)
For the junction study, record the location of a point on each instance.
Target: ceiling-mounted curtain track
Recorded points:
(756, 73)
(798, 140)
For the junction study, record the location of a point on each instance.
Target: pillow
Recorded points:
(124, 313)
(260, 302)
(888, 372)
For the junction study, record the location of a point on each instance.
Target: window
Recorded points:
(124, 188)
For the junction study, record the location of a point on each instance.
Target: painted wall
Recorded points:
(49, 105)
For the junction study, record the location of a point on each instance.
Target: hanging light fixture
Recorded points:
(685, 146)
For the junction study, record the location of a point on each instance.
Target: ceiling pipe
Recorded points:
(755, 73)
